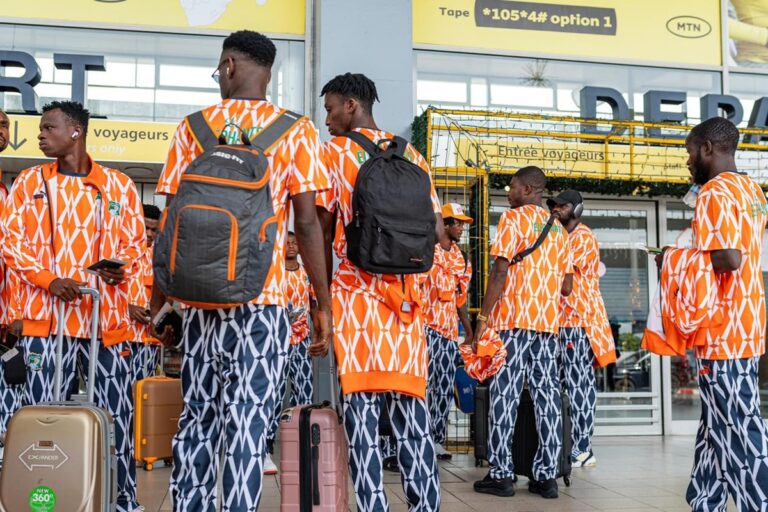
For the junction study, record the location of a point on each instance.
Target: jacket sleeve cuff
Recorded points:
(44, 278)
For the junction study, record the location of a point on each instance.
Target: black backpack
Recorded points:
(393, 223)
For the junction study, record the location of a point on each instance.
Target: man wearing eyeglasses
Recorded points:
(235, 357)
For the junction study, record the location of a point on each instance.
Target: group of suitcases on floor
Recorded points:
(61, 455)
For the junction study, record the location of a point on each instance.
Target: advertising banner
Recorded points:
(747, 28)
(683, 31)
(272, 16)
(108, 141)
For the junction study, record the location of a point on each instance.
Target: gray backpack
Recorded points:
(216, 239)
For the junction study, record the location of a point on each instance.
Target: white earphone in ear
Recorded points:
(75, 135)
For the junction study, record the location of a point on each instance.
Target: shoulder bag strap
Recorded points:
(544, 232)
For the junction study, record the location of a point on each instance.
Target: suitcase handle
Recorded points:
(334, 380)
(93, 349)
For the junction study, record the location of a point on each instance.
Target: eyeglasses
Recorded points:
(216, 75)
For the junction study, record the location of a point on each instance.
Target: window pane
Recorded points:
(149, 76)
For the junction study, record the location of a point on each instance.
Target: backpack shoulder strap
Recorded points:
(202, 131)
(276, 130)
(366, 143)
(517, 258)
(398, 145)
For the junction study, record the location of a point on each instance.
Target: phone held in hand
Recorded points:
(105, 264)
(168, 315)
(653, 250)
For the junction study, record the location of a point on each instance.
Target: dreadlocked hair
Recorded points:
(353, 85)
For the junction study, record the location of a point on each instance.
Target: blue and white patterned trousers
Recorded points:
(441, 376)
(299, 373)
(144, 360)
(113, 392)
(731, 455)
(415, 450)
(577, 358)
(10, 400)
(531, 355)
(233, 361)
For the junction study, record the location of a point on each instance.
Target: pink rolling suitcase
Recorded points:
(313, 457)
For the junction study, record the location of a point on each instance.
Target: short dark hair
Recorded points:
(721, 132)
(533, 176)
(74, 111)
(291, 233)
(353, 85)
(257, 47)
(151, 211)
(450, 221)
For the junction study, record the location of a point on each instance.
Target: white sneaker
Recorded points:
(269, 466)
(583, 460)
(441, 453)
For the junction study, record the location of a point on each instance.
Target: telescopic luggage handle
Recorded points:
(93, 349)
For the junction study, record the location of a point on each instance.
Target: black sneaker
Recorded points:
(503, 487)
(546, 488)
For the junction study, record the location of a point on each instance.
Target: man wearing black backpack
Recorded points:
(532, 268)
(234, 166)
(387, 218)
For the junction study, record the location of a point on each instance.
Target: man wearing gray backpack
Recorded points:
(230, 173)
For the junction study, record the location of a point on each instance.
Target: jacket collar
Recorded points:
(97, 176)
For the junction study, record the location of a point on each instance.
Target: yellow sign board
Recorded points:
(108, 141)
(683, 31)
(273, 16)
(584, 159)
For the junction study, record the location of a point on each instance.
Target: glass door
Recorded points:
(629, 392)
(681, 389)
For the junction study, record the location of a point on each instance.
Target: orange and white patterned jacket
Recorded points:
(379, 345)
(446, 285)
(9, 281)
(27, 236)
(139, 293)
(584, 307)
(687, 300)
(299, 293)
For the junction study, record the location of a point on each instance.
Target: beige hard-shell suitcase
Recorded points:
(61, 455)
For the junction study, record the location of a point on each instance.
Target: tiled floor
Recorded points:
(633, 474)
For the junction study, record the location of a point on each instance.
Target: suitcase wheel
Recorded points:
(567, 481)
(149, 467)
(168, 462)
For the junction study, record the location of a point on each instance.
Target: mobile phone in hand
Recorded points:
(105, 263)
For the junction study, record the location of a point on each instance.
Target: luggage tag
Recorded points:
(9, 355)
